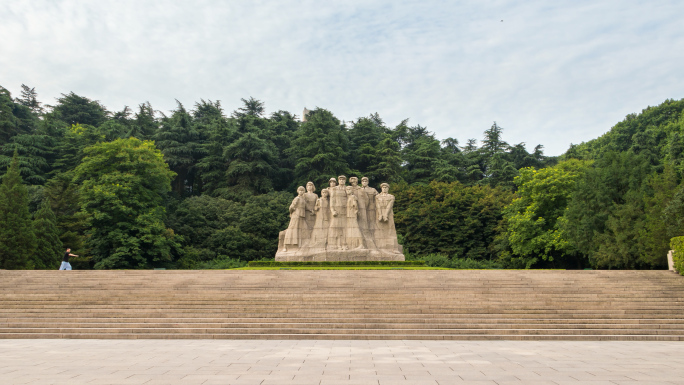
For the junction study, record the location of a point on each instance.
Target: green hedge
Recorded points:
(677, 244)
(345, 263)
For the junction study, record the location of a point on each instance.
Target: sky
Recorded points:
(548, 72)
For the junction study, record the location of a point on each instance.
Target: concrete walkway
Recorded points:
(339, 362)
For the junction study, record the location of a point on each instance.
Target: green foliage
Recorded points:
(222, 263)
(534, 228)
(607, 209)
(677, 244)
(449, 218)
(252, 160)
(648, 128)
(212, 227)
(320, 149)
(9, 124)
(17, 239)
(70, 150)
(35, 153)
(75, 109)
(63, 196)
(123, 187)
(181, 143)
(49, 247)
(442, 260)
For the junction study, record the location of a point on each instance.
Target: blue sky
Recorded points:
(551, 73)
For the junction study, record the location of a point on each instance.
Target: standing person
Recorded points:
(65, 260)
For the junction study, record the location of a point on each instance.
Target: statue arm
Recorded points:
(378, 209)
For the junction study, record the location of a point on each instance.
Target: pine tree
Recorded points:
(17, 239)
(48, 245)
(387, 168)
(320, 148)
(181, 144)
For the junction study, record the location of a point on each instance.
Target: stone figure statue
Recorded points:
(319, 235)
(296, 231)
(385, 232)
(352, 233)
(366, 197)
(310, 198)
(346, 223)
(338, 209)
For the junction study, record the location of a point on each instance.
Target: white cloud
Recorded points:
(550, 73)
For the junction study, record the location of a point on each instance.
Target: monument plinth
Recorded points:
(346, 223)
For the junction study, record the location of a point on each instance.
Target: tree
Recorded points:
(63, 196)
(281, 131)
(181, 144)
(251, 107)
(124, 183)
(533, 221)
(320, 148)
(35, 151)
(48, 245)
(498, 170)
(29, 98)
(251, 156)
(75, 109)
(70, 148)
(386, 167)
(17, 238)
(364, 137)
(9, 125)
(610, 188)
(145, 124)
(449, 218)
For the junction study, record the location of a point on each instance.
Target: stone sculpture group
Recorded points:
(346, 223)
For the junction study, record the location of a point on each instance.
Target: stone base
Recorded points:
(337, 256)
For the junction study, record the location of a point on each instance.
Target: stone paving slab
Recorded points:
(321, 362)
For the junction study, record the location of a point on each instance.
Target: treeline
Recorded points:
(200, 188)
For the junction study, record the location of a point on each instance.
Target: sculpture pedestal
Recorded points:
(337, 255)
(310, 254)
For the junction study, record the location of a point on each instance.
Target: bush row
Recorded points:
(677, 244)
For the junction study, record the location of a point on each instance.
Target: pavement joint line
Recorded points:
(499, 361)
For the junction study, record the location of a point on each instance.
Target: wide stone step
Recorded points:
(364, 304)
(6, 326)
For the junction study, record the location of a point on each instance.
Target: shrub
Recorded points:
(442, 260)
(677, 244)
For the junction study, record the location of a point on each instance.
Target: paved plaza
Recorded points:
(339, 362)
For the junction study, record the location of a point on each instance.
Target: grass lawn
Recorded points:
(343, 268)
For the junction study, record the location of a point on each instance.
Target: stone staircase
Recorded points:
(344, 304)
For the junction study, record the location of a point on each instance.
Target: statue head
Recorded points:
(332, 182)
(354, 181)
(364, 181)
(384, 187)
(310, 187)
(342, 179)
(349, 190)
(300, 190)
(325, 193)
